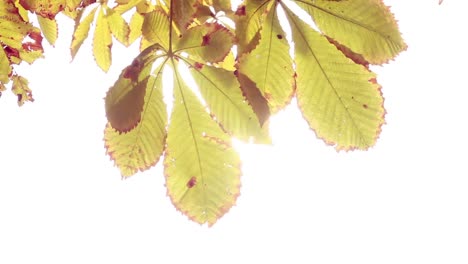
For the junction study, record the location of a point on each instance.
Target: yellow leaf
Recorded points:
(44, 8)
(182, 13)
(49, 28)
(339, 99)
(249, 17)
(141, 148)
(269, 65)
(136, 23)
(209, 42)
(155, 28)
(366, 27)
(102, 42)
(5, 68)
(201, 167)
(223, 96)
(124, 6)
(81, 31)
(125, 99)
(118, 26)
(21, 89)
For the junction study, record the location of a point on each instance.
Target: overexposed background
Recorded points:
(403, 201)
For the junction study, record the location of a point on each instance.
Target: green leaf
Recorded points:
(223, 96)
(141, 148)
(118, 26)
(201, 167)
(81, 31)
(102, 42)
(269, 65)
(125, 99)
(49, 28)
(209, 42)
(366, 27)
(339, 99)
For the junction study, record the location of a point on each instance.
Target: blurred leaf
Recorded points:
(21, 89)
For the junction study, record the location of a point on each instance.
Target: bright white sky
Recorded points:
(404, 201)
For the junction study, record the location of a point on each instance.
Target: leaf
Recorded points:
(269, 65)
(124, 6)
(339, 99)
(223, 96)
(209, 42)
(102, 42)
(249, 17)
(5, 68)
(21, 89)
(136, 23)
(81, 32)
(182, 13)
(141, 148)
(254, 97)
(221, 5)
(118, 26)
(201, 167)
(156, 28)
(44, 8)
(366, 27)
(125, 99)
(49, 28)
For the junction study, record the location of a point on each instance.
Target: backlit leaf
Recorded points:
(135, 25)
(223, 96)
(201, 167)
(182, 13)
(339, 99)
(141, 148)
(45, 8)
(102, 42)
(118, 26)
(125, 99)
(156, 28)
(209, 42)
(249, 17)
(81, 32)
(21, 89)
(366, 27)
(5, 68)
(49, 28)
(269, 65)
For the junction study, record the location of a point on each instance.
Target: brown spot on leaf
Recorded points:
(206, 40)
(240, 10)
(357, 58)
(198, 65)
(132, 71)
(192, 182)
(279, 36)
(365, 106)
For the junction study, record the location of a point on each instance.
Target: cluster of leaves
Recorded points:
(246, 63)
